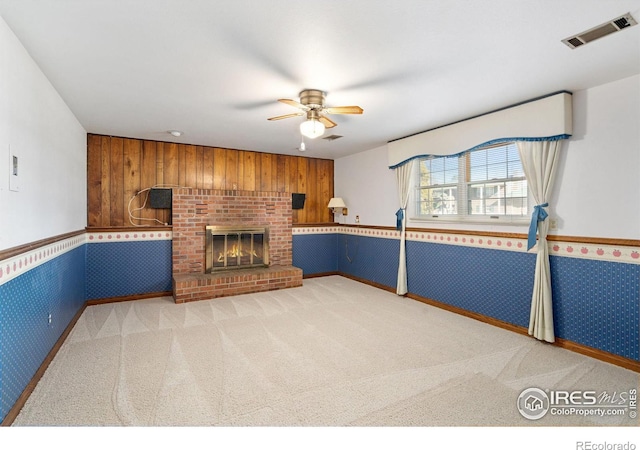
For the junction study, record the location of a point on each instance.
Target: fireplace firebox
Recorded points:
(236, 247)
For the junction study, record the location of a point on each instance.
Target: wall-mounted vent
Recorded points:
(333, 137)
(602, 30)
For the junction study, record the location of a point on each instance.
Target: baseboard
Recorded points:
(22, 399)
(595, 353)
(370, 283)
(126, 298)
(321, 274)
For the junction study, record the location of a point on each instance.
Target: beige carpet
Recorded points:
(333, 352)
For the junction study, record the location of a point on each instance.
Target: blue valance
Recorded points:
(484, 144)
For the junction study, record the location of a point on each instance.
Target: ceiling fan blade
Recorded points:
(286, 116)
(328, 123)
(293, 103)
(344, 110)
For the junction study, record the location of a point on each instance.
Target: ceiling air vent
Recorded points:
(605, 29)
(333, 137)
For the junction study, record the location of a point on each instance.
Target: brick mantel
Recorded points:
(194, 209)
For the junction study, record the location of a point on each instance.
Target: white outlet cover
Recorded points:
(14, 171)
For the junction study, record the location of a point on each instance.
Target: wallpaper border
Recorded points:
(572, 249)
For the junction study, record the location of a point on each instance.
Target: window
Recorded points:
(483, 184)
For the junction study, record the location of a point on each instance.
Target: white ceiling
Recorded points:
(214, 69)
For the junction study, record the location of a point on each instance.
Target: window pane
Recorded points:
(515, 169)
(475, 200)
(443, 200)
(478, 158)
(476, 191)
(437, 164)
(494, 205)
(497, 171)
(512, 153)
(517, 206)
(478, 173)
(496, 154)
(516, 188)
(451, 176)
(437, 178)
(451, 163)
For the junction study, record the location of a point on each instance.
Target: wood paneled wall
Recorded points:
(118, 168)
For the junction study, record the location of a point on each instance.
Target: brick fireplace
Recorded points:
(193, 210)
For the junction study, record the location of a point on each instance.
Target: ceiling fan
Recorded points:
(312, 105)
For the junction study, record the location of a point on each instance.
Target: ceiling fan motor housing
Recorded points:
(312, 98)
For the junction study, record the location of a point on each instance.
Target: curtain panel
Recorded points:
(539, 161)
(403, 178)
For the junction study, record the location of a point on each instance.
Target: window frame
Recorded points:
(463, 188)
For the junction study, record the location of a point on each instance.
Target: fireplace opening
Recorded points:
(236, 247)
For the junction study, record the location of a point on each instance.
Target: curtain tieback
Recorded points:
(399, 217)
(539, 215)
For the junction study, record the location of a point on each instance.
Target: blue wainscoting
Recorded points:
(315, 253)
(597, 303)
(374, 259)
(55, 287)
(117, 269)
(495, 283)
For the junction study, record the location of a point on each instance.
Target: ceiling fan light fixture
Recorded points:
(312, 128)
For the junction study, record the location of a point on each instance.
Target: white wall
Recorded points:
(597, 192)
(368, 188)
(37, 125)
(598, 185)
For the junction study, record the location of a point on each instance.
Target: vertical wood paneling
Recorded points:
(148, 164)
(188, 166)
(302, 188)
(208, 168)
(185, 158)
(94, 176)
(163, 215)
(118, 168)
(131, 177)
(249, 171)
(231, 170)
(171, 170)
(105, 184)
(240, 163)
(313, 215)
(284, 183)
(199, 169)
(325, 188)
(117, 182)
(257, 171)
(219, 166)
(265, 172)
(293, 184)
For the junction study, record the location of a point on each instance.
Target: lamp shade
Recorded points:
(337, 202)
(312, 128)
